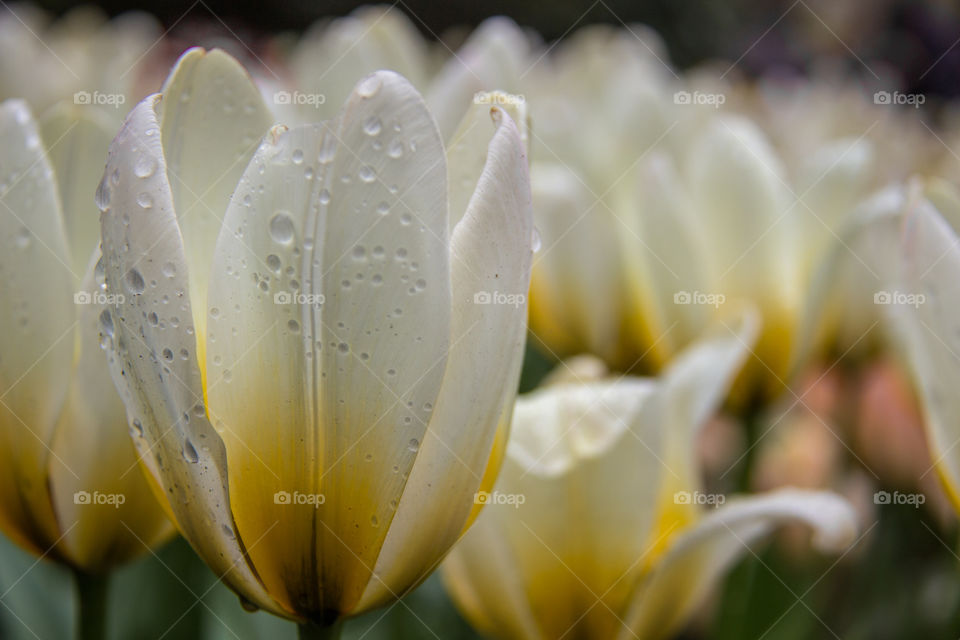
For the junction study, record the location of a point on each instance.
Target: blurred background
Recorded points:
(902, 582)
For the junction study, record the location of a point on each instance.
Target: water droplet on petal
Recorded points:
(134, 282)
(395, 150)
(372, 126)
(144, 167)
(281, 227)
(369, 86)
(190, 452)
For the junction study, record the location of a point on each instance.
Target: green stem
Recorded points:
(92, 613)
(311, 631)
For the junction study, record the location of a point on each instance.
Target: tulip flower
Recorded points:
(658, 202)
(597, 527)
(81, 57)
(926, 285)
(318, 351)
(70, 489)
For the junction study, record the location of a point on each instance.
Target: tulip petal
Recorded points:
(212, 119)
(368, 233)
(77, 139)
(664, 252)
(332, 55)
(492, 58)
(930, 262)
(94, 453)
(668, 596)
(831, 183)
(490, 251)
(693, 388)
(150, 333)
(840, 312)
(696, 383)
(36, 327)
(746, 214)
(467, 149)
(578, 454)
(565, 294)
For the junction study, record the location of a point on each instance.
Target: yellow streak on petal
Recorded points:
(492, 470)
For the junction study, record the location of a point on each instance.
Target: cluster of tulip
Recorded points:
(302, 310)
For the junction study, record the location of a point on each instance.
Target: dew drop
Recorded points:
(144, 167)
(134, 282)
(369, 86)
(281, 227)
(413, 445)
(145, 200)
(372, 126)
(297, 156)
(536, 241)
(102, 196)
(168, 355)
(273, 262)
(324, 196)
(367, 174)
(190, 452)
(168, 269)
(395, 150)
(106, 323)
(294, 326)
